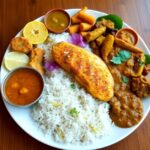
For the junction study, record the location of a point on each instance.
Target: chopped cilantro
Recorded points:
(116, 60)
(72, 86)
(121, 57)
(147, 59)
(74, 112)
(125, 79)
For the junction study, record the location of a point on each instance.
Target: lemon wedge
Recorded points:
(13, 60)
(35, 31)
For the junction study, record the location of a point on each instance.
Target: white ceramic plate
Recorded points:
(23, 119)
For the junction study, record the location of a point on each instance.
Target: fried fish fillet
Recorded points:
(88, 69)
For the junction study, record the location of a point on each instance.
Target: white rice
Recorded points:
(61, 95)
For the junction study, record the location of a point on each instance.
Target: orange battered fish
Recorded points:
(88, 69)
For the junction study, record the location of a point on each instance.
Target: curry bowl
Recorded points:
(22, 87)
(57, 20)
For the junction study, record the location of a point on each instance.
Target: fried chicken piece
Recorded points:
(87, 69)
(36, 60)
(21, 44)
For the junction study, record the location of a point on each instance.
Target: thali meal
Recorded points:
(95, 75)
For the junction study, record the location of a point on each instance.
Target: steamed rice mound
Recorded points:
(66, 111)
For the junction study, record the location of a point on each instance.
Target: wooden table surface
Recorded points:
(14, 14)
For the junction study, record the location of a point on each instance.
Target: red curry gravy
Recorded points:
(24, 86)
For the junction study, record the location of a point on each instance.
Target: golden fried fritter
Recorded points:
(36, 60)
(21, 44)
(88, 69)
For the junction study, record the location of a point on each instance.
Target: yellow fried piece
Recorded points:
(21, 44)
(127, 46)
(36, 59)
(107, 46)
(100, 40)
(91, 36)
(88, 69)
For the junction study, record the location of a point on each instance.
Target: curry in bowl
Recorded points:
(19, 86)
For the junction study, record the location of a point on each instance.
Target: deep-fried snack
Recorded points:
(85, 26)
(100, 40)
(21, 44)
(75, 19)
(36, 60)
(74, 28)
(127, 46)
(87, 18)
(95, 48)
(88, 69)
(107, 46)
(91, 36)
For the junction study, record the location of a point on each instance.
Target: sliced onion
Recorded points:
(77, 39)
(50, 65)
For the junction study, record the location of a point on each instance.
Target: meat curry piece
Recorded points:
(126, 107)
(141, 86)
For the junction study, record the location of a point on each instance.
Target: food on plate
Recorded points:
(85, 27)
(86, 18)
(13, 60)
(69, 114)
(35, 32)
(128, 35)
(107, 46)
(75, 19)
(21, 44)
(109, 20)
(81, 21)
(37, 59)
(105, 88)
(57, 20)
(100, 40)
(20, 86)
(77, 39)
(95, 48)
(126, 110)
(92, 35)
(87, 69)
(107, 23)
(141, 86)
(127, 46)
(74, 28)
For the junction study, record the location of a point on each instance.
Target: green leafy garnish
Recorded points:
(121, 57)
(114, 18)
(74, 112)
(72, 86)
(147, 59)
(125, 79)
(140, 62)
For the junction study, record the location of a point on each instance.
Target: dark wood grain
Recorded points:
(15, 14)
